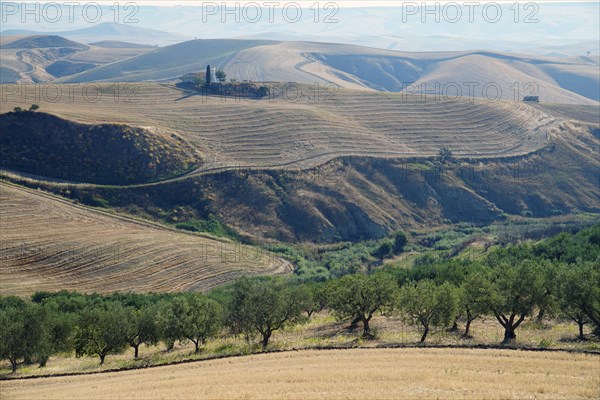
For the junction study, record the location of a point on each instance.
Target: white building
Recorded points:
(213, 76)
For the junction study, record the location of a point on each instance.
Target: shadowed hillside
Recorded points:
(46, 145)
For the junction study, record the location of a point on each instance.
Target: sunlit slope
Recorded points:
(167, 62)
(51, 244)
(315, 127)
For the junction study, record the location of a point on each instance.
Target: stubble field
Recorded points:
(340, 374)
(51, 244)
(302, 126)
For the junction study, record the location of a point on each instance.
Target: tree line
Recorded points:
(555, 278)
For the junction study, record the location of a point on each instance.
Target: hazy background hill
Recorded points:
(556, 80)
(556, 29)
(107, 31)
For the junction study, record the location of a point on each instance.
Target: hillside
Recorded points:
(42, 144)
(291, 133)
(354, 165)
(43, 58)
(167, 62)
(359, 198)
(92, 251)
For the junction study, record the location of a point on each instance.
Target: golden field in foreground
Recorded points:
(340, 374)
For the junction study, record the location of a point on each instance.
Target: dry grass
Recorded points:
(50, 244)
(340, 374)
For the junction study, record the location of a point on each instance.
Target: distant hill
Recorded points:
(563, 80)
(108, 31)
(42, 42)
(116, 44)
(168, 62)
(43, 58)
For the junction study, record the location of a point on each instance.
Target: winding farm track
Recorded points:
(49, 243)
(307, 126)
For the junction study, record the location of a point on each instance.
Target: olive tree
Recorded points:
(314, 297)
(579, 294)
(101, 330)
(263, 307)
(472, 300)
(141, 327)
(514, 292)
(13, 344)
(25, 332)
(427, 304)
(199, 318)
(359, 297)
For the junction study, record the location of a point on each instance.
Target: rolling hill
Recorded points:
(491, 75)
(42, 42)
(507, 76)
(43, 58)
(168, 62)
(291, 133)
(92, 251)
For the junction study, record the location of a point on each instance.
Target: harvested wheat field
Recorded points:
(51, 244)
(302, 127)
(340, 374)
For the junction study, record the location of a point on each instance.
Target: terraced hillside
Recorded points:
(300, 131)
(51, 244)
(348, 165)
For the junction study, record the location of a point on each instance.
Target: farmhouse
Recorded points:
(194, 77)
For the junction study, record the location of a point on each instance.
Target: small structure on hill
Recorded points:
(191, 77)
(535, 99)
(210, 76)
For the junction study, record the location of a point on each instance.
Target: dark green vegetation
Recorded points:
(555, 278)
(43, 144)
